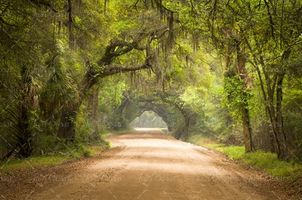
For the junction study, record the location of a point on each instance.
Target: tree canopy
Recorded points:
(71, 69)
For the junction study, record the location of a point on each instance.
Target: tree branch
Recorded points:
(43, 3)
(121, 69)
(272, 24)
(118, 47)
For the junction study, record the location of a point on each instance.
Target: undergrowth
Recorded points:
(68, 153)
(265, 161)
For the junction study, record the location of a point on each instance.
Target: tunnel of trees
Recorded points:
(149, 120)
(72, 69)
(180, 119)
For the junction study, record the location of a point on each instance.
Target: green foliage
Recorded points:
(213, 60)
(33, 162)
(45, 143)
(84, 127)
(235, 96)
(65, 154)
(193, 97)
(265, 161)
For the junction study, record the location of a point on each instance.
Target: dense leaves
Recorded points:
(71, 69)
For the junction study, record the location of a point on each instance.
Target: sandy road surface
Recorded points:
(150, 165)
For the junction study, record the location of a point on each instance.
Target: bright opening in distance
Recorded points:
(148, 120)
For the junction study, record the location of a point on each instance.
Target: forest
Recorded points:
(73, 70)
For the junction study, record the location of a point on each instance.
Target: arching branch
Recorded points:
(122, 69)
(117, 48)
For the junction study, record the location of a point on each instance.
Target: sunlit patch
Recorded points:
(148, 121)
(150, 129)
(161, 155)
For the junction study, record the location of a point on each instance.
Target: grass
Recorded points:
(73, 153)
(33, 162)
(265, 161)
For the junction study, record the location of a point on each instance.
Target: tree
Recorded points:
(104, 69)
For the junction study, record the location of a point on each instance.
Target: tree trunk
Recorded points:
(186, 128)
(247, 130)
(67, 124)
(273, 147)
(70, 23)
(246, 124)
(25, 137)
(93, 104)
(69, 114)
(189, 121)
(275, 112)
(279, 118)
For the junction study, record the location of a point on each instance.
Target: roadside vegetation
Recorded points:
(69, 153)
(264, 161)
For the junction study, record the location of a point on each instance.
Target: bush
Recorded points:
(261, 160)
(46, 144)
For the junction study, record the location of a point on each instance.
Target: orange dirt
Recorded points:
(146, 165)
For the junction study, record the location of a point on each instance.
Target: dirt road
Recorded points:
(150, 165)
